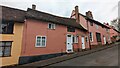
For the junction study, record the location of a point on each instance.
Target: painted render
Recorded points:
(56, 38)
(83, 21)
(16, 37)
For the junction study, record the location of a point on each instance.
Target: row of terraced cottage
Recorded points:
(32, 35)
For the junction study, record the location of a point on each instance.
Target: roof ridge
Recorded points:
(12, 8)
(50, 14)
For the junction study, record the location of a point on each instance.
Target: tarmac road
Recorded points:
(107, 57)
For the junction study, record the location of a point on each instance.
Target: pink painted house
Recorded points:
(98, 32)
(114, 34)
(46, 36)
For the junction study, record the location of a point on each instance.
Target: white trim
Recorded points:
(52, 26)
(40, 41)
(92, 36)
(75, 39)
(71, 42)
(97, 26)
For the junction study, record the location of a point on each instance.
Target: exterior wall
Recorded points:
(113, 33)
(16, 37)
(80, 34)
(56, 39)
(93, 29)
(101, 30)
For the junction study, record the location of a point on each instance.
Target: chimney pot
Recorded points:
(89, 14)
(33, 6)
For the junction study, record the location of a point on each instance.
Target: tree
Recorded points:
(115, 23)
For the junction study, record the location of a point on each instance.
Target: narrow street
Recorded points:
(107, 57)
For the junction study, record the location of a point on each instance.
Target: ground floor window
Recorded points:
(5, 48)
(75, 39)
(86, 38)
(98, 37)
(91, 36)
(40, 41)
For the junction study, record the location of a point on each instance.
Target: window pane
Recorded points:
(1, 51)
(49, 26)
(7, 51)
(91, 36)
(43, 41)
(8, 43)
(38, 41)
(1, 43)
(4, 27)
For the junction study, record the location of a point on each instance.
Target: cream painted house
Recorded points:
(12, 21)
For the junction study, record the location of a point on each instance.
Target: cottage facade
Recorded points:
(98, 33)
(11, 27)
(114, 34)
(46, 35)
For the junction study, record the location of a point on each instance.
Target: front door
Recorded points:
(69, 47)
(83, 43)
(104, 40)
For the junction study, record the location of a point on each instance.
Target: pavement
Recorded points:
(95, 57)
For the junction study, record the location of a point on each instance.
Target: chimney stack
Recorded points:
(77, 14)
(33, 6)
(89, 14)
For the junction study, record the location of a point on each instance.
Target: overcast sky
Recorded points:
(103, 10)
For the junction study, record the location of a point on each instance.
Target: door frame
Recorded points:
(71, 43)
(82, 42)
(104, 38)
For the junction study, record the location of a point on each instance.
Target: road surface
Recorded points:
(107, 57)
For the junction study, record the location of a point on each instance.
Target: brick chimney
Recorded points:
(89, 14)
(33, 6)
(77, 14)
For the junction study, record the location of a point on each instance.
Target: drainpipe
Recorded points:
(88, 35)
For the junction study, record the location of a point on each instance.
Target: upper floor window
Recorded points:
(96, 26)
(107, 29)
(6, 27)
(91, 23)
(91, 36)
(5, 48)
(51, 26)
(40, 41)
(70, 29)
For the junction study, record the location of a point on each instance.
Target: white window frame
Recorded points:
(75, 39)
(41, 41)
(52, 26)
(97, 26)
(92, 37)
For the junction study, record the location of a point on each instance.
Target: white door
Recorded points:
(104, 40)
(83, 43)
(69, 47)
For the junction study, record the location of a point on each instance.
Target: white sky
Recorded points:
(103, 10)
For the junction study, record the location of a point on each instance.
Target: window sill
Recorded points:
(51, 29)
(75, 43)
(40, 47)
(7, 33)
(5, 56)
